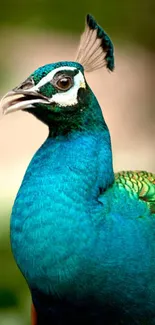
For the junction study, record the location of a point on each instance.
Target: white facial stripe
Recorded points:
(50, 76)
(69, 97)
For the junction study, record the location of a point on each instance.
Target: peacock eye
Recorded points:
(64, 83)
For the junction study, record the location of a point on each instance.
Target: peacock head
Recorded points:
(59, 90)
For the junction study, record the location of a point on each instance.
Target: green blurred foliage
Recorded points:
(129, 20)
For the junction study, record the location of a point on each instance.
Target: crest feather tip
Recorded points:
(91, 22)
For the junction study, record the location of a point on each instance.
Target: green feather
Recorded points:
(140, 184)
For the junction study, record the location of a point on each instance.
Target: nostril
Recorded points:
(27, 84)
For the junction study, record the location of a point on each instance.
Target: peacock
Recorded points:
(82, 236)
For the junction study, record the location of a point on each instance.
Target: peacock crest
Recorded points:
(96, 49)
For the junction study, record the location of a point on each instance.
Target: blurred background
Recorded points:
(36, 32)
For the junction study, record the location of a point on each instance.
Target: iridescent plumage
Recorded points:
(139, 184)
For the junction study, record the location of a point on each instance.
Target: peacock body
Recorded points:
(82, 236)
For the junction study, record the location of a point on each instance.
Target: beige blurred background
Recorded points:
(126, 97)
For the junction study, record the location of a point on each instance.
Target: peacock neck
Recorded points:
(78, 145)
(85, 135)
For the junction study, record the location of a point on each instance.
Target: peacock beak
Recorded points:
(20, 99)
